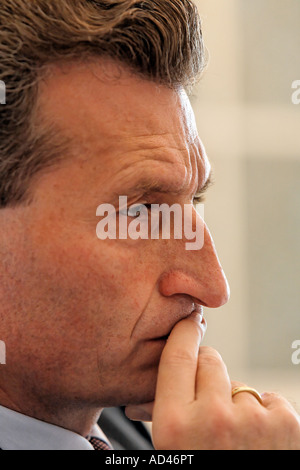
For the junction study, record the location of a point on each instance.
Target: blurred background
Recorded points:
(251, 131)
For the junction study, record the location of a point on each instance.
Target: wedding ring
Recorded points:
(253, 392)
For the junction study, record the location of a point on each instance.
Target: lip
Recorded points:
(162, 338)
(198, 309)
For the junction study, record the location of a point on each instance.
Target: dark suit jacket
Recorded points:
(123, 433)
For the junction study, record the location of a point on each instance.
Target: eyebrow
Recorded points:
(147, 187)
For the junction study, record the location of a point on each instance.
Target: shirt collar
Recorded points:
(20, 432)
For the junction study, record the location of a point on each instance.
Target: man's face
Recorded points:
(87, 316)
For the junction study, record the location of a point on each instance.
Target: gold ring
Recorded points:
(253, 392)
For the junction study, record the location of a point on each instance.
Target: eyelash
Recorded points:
(199, 199)
(196, 200)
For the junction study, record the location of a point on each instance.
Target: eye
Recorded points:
(199, 199)
(136, 210)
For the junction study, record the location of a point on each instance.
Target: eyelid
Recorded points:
(133, 207)
(199, 199)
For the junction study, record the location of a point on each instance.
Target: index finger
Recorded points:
(178, 364)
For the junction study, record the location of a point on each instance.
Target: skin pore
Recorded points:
(82, 319)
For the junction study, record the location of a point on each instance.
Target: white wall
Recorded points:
(251, 131)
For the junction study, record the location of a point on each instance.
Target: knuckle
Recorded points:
(172, 430)
(209, 357)
(286, 428)
(180, 356)
(222, 421)
(256, 419)
(235, 384)
(271, 396)
(221, 424)
(289, 421)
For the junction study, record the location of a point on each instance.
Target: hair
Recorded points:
(161, 40)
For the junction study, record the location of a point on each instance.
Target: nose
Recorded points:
(198, 274)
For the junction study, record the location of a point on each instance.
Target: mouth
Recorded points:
(202, 322)
(162, 338)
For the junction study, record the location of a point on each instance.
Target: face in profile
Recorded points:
(90, 317)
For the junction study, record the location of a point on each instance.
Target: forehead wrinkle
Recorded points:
(147, 169)
(153, 147)
(157, 155)
(147, 181)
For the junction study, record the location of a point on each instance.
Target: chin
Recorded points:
(137, 391)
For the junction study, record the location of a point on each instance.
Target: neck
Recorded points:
(77, 418)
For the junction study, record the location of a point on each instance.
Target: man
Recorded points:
(96, 108)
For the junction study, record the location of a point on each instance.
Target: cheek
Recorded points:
(101, 286)
(91, 281)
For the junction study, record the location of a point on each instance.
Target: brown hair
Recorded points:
(159, 39)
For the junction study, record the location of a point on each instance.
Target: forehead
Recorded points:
(123, 123)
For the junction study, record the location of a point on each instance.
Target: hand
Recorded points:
(194, 409)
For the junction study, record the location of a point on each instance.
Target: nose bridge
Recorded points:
(213, 275)
(197, 273)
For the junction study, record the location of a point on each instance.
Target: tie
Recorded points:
(99, 444)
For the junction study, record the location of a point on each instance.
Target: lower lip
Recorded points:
(165, 338)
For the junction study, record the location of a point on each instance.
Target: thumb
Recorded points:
(140, 412)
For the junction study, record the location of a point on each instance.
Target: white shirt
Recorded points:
(20, 432)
